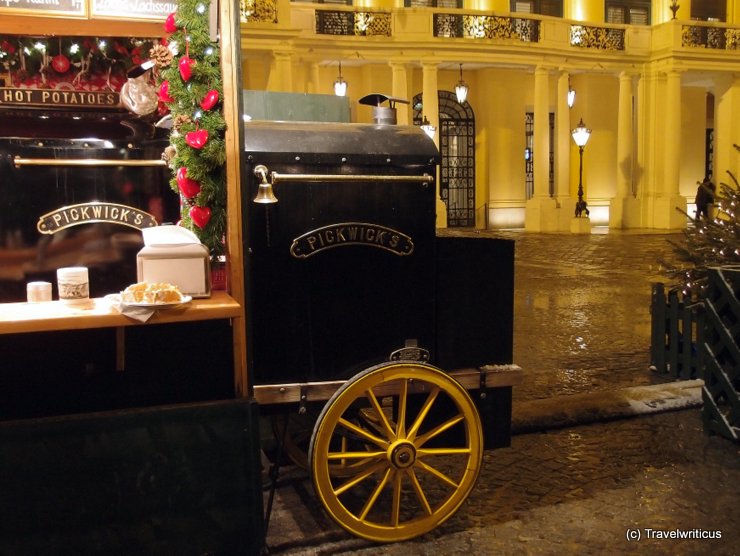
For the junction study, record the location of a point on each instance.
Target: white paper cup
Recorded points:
(73, 284)
(37, 292)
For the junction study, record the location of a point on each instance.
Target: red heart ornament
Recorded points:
(164, 92)
(200, 216)
(185, 65)
(197, 138)
(210, 100)
(189, 188)
(169, 24)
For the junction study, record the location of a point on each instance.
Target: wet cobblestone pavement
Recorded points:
(582, 310)
(587, 490)
(581, 325)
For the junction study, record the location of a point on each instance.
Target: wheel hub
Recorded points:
(402, 454)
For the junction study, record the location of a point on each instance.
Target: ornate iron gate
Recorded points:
(457, 146)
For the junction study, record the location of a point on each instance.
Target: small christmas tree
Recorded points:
(190, 85)
(709, 242)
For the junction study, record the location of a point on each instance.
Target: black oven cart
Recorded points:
(382, 351)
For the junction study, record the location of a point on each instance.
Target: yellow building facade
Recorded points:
(660, 94)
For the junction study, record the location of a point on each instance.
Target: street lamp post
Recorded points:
(580, 136)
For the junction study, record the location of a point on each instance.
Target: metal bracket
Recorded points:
(410, 352)
(483, 388)
(302, 404)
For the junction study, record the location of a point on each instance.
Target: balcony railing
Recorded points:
(602, 38)
(352, 23)
(445, 24)
(486, 27)
(718, 38)
(265, 11)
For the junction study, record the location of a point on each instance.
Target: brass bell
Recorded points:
(265, 194)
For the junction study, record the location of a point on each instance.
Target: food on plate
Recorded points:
(151, 292)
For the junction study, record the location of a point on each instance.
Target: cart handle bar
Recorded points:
(425, 178)
(84, 162)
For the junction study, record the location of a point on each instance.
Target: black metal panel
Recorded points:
(475, 302)
(354, 299)
(74, 371)
(167, 480)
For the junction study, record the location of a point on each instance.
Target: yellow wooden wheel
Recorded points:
(416, 436)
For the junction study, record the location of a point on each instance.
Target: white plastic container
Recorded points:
(73, 284)
(38, 292)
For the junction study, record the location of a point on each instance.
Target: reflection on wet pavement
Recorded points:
(582, 309)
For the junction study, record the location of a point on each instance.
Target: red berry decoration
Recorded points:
(169, 24)
(200, 216)
(164, 92)
(197, 138)
(60, 63)
(210, 100)
(189, 187)
(186, 67)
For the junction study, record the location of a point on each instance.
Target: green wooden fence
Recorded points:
(677, 334)
(700, 340)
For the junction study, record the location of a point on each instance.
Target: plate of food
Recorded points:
(153, 295)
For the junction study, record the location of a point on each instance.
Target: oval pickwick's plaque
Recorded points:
(87, 213)
(45, 7)
(347, 234)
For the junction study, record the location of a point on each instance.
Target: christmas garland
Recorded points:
(79, 63)
(189, 83)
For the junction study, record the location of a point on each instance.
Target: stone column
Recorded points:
(726, 124)
(313, 83)
(430, 102)
(281, 72)
(618, 206)
(541, 133)
(540, 211)
(565, 201)
(668, 199)
(399, 89)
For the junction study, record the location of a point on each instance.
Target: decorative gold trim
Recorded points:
(347, 234)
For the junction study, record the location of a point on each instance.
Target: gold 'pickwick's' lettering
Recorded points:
(87, 213)
(348, 234)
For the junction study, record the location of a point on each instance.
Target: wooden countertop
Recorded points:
(100, 313)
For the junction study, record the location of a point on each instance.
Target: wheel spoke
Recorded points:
(439, 429)
(381, 416)
(396, 505)
(374, 496)
(436, 473)
(381, 443)
(421, 452)
(359, 478)
(355, 455)
(423, 413)
(419, 491)
(402, 398)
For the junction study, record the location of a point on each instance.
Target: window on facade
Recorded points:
(709, 10)
(529, 155)
(433, 3)
(630, 12)
(541, 7)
